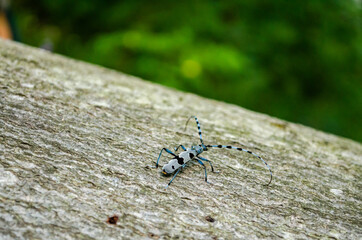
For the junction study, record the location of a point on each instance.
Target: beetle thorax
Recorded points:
(197, 149)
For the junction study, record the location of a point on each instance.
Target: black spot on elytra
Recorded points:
(191, 155)
(180, 160)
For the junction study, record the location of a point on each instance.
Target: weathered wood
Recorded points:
(76, 140)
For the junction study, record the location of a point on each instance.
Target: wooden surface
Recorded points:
(76, 141)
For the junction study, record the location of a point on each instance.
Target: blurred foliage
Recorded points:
(298, 60)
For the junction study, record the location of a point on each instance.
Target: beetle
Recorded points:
(179, 161)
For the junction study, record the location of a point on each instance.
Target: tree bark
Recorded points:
(76, 141)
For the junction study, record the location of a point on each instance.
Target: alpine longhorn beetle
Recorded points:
(180, 161)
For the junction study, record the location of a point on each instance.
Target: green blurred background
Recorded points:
(298, 60)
